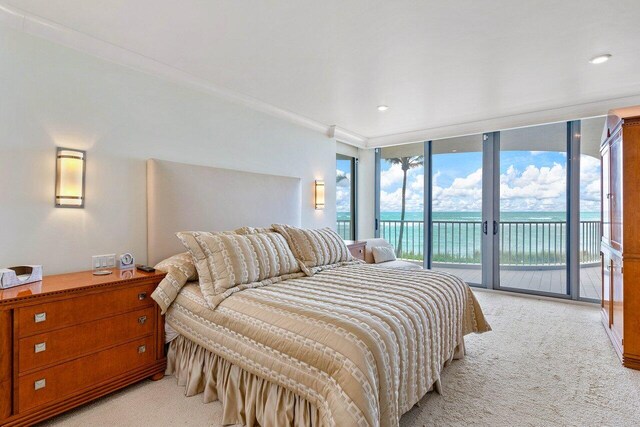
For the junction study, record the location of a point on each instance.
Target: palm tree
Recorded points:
(405, 163)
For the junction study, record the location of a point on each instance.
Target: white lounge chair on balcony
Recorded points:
(389, 261)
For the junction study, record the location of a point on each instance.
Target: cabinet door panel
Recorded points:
(616, 298)
(606, 193)
(606, 286)
(616, 192)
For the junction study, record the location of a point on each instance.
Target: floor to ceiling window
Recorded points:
(516, 210)
(345, 196)
(533, 209)
(590, 215)
(401, 199)
(456, 182)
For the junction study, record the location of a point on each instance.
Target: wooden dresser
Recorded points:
(356, 247)
(620, 153)
(74, 337)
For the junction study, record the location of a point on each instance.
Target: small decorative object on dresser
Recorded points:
(126, 261)
(21, 275)
(356, 247)
(72, 338)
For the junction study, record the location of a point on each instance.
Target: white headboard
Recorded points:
(183, 197)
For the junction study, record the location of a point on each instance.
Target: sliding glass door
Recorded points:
(533, 209)
(456, 202)
(346, 196)
(516, 210)
(401, 200)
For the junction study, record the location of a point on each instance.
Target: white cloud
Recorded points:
(343, 191)
(589, 183)
(464, 194)
(536, 188)
(391, 177)
(391, 189)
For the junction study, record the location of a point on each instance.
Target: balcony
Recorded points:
(532, 254)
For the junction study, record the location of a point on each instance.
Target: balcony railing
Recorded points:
(533, 243)
(343, 227)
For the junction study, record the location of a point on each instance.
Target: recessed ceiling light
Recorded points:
(383, 107)
(600, 59)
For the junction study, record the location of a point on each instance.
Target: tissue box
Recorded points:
(21, 275)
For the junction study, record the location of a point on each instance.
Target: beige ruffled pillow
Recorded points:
(180, 270)
(316, 250)
(383, 254)
(227, 263)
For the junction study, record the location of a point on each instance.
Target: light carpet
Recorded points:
(545, 363)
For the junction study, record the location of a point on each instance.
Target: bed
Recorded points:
(346, 345)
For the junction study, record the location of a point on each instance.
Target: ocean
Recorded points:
(475, 216)
(525, 237)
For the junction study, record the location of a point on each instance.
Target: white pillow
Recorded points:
(383, 254)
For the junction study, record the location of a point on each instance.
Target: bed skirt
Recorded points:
(246, 399)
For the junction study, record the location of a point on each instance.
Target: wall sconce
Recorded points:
(319, 194)
(70, 175)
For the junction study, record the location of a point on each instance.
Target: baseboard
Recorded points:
(631, 362)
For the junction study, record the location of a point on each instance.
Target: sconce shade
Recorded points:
(319, 194)
(70, 174)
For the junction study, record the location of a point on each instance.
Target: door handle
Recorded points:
(484, 227)
(495, 227)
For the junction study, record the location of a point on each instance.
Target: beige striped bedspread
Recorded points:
(362, 344)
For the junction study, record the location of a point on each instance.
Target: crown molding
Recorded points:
(76, 40)
(346, 136)
(554, 115)
(40, 27)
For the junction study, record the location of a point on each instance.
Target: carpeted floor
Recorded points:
(545, 363)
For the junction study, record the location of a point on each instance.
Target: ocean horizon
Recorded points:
(457, 235)
(558, 216)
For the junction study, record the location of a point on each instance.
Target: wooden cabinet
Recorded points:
(75, 337)
(356, 247)
(620, 154)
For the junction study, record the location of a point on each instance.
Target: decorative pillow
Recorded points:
(383, 254)
(180, 269)
(253, 230)
(227, 263)
(316, 250)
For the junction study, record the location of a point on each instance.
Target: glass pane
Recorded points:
(344, 198)
(457, 207)
(533, 214)
(402, 200)
(590, 273)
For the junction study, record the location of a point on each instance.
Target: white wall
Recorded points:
(53, 96)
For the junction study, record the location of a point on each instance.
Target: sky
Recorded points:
(343, 186)
(530, 181)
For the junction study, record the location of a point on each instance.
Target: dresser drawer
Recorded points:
(63, 380)
(357, 250)
(46, 348)
(45, 317)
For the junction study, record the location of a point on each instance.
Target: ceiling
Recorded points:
(439, 66)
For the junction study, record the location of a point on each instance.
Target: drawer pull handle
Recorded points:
(142, 295)
(40, 317)
(142, 319)
(40, 347)
(40, 384)
(142, 349)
